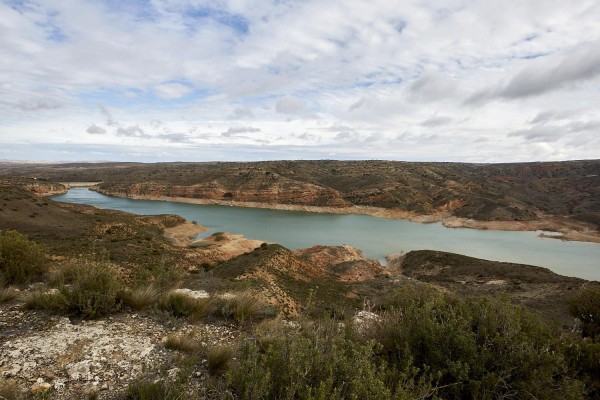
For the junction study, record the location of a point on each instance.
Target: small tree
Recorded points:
(21, 259)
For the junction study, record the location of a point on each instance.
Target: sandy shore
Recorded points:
(184, 235)
(552, 227)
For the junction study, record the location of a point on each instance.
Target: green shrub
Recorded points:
(585, 305)
(475, 347)
(21, 260)
(93, 291)
(322, 362)
(87, 289)
(161, 276)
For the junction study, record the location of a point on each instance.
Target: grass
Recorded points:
(10, 391)
(144, 389)
(180, 305)
(53, 301)
(140, 298)
(186, 343)
(245, 306)
(7, 294)
(218, 359)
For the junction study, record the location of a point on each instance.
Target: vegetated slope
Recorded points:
(70, 230)
(487, 192)
(535, 287)
(294, 282)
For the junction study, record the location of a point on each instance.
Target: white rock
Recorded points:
(194, 294)
(364, 319)
(79, 371)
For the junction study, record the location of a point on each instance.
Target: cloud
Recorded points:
(357, 104)
(173, 90)
(109, 119)
(242, 113)
(552, 73)
(238, 130)
(290, 105)
(437, 121)
(574, 131)
(432, 86)
(95, 130)
(132, 131)
(546, 116)
(563, 70)
(175, 137)
(38, 105)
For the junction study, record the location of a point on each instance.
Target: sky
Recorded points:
(236, 80)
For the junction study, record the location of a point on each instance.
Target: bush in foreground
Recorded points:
(21, 260)
(87, 289)
(585, 306)
(426, 344)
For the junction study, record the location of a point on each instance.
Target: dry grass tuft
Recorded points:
(140, 298)
(183, 342)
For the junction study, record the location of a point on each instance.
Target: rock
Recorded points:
(194, 294)
(364, 319)
(79, 371)
(39, 388)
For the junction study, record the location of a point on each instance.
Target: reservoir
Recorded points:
(376, 237)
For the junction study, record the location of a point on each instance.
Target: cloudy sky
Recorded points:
(199, 80)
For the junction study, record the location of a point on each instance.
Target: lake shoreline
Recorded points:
(552, 227)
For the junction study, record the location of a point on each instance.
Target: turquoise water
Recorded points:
(376, 237)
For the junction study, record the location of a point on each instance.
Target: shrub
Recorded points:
(94, 290)
(585, 305)
(322, 362)
(473, 348)
(86, 288)
(21, 260)
(161, 276)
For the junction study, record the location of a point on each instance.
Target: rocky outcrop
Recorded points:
(262, 187)
(45, 188)
(346, 262)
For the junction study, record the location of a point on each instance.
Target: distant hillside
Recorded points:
(484, 192)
